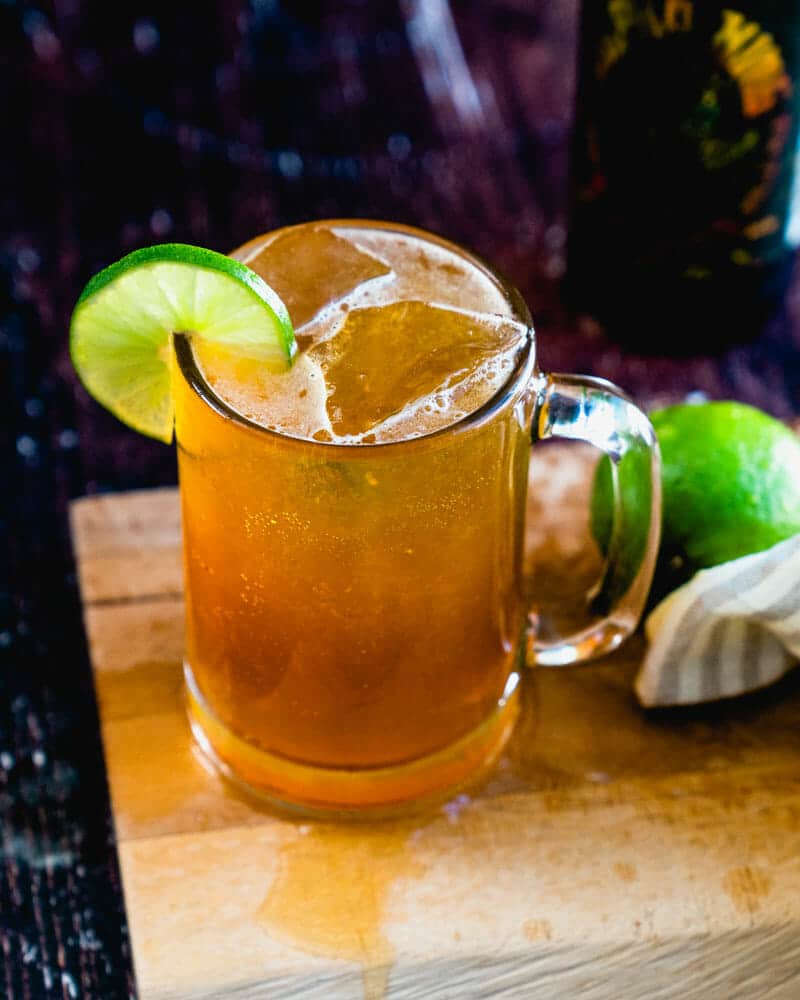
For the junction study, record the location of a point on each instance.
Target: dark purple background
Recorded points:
(128, 123)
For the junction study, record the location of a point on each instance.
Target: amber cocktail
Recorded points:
(353, 529)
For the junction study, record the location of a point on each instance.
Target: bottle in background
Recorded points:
(684, 168)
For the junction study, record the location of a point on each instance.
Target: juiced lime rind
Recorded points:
(122, 324)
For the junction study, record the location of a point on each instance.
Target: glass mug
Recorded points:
(356, 624)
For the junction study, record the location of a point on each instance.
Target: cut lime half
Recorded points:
(122, 326)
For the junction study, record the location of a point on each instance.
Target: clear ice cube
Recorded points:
(309, 268)
(387, 358)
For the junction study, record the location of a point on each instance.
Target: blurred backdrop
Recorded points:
(211, 122)
(130, 123)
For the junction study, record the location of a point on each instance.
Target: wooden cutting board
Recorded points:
(611, 855)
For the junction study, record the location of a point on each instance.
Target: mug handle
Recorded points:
(593, 410)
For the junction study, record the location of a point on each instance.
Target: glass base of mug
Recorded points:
(350, 793)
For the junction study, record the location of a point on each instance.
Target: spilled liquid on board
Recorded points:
(336, 883)
(332, 892)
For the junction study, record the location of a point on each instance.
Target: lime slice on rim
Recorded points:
(122, 326)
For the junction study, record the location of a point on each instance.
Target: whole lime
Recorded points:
(730, 478)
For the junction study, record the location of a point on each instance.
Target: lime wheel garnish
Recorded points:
(123, 324)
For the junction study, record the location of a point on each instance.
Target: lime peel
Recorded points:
(122, 326)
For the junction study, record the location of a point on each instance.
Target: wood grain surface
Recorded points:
(611, 855)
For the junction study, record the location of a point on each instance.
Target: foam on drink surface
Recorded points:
(398, 337)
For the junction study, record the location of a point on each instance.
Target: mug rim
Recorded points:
(521, 374)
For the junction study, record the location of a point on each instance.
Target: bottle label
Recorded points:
(687, 127)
